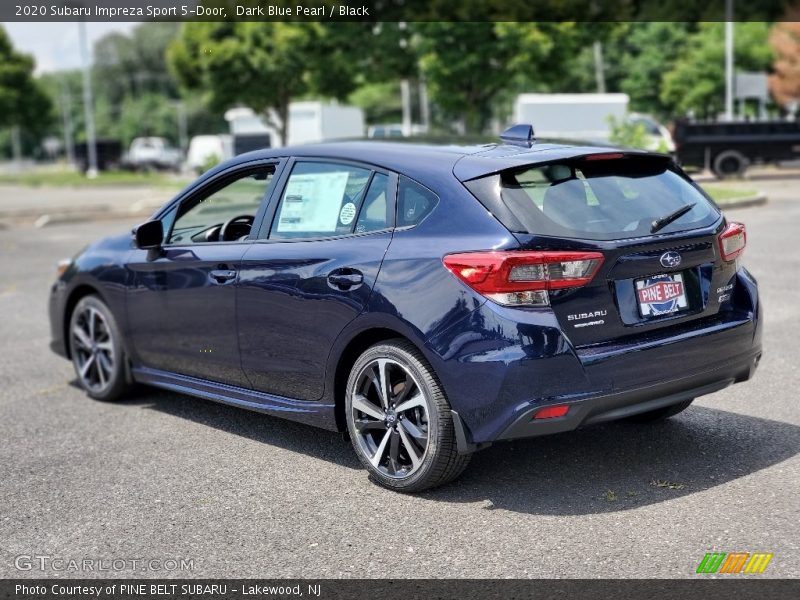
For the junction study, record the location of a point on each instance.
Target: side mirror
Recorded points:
(149, 235)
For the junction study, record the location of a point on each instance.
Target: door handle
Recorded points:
(345, 279)
(222, 276)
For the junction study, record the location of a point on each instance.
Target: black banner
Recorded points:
(396, 10)
(734, 588)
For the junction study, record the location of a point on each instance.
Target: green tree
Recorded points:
(63, 89)
(472, 68)
(264, 65)
(23, 103)
(650, 51)
(379, 101)
(133, 64)
(696, 82)
(570, 67)
(135, 93)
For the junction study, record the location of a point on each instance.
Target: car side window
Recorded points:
(320, 200)
(414, 202)
(224, 215)
(373, 215)
(166, 223)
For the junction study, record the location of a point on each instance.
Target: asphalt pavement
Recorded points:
(167, 477)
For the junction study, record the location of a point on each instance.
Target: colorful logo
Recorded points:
(734, 562)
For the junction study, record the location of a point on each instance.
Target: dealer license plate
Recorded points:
(661, 294)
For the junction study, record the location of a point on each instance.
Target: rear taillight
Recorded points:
(523, 278)
(732, 241)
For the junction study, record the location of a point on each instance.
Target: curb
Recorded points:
(703, 177)
(758, 200)
(58, 218)
(41, 218)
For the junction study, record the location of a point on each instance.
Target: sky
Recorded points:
(55, 45)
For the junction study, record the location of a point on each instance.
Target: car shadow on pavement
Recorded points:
(260, 427)
(612, 467)
(620, 465)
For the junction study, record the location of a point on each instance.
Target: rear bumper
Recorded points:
(499, 366)
(598, 409)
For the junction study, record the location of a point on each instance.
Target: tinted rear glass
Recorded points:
(594, 199)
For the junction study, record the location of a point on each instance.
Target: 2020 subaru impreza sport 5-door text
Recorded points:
(427, 300)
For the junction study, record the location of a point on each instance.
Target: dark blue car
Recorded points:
(429, 300)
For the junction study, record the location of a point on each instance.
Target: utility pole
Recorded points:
(16, 146)
(599, 68)
(729, 60)
(66, 116)
(88, 104)
(183, 129)
(424, 106)
(405, 98)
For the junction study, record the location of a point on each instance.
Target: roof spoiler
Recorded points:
(519, 135)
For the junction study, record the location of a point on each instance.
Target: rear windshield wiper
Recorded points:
(662, 222)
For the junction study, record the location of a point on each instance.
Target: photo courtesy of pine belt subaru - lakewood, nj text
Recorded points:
(428, 300)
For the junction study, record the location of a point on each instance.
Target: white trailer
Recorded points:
(311, 122)
(585, 117)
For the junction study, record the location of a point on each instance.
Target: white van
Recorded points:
(204, 149)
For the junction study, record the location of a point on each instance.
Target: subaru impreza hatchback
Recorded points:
(428, 300)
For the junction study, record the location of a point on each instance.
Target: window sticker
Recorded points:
(347, 214)
(311, 202)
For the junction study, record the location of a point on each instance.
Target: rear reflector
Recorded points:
(523, 278)
(732, 241)
(551, 412)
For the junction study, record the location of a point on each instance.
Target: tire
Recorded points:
(417, 445)
(96, 350)
(729, 163)
(660, 414)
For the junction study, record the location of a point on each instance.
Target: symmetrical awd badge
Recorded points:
(670, 259)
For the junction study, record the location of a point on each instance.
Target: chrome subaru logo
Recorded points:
(670, 259)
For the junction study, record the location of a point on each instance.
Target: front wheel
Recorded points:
(96, 350)
(399, 419)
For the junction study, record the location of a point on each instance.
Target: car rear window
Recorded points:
(596, 199)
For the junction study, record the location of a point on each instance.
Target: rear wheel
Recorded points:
(96, 350)
(661, 413)
(730, 163)
(399, 419)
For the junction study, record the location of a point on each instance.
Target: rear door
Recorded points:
(312, 271)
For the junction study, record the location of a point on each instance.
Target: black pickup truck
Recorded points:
(728, 148)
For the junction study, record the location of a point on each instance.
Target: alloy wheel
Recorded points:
(390, 417)
(93, 349)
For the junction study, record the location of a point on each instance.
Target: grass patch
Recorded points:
(106, 178)
(670, 485)
(726, 193)
(610, 496)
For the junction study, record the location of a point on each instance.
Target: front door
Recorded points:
(182, 306)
